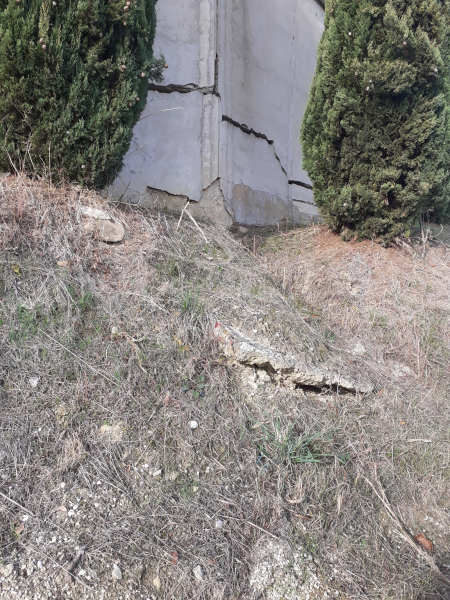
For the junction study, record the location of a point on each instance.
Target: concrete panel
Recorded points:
(254, 82)
(250, 160)
(210, 139)
(268, 57)
(309, 26)
(185, 35)
(211, 207)
(245, 67)
(298, 193)
(166, 150)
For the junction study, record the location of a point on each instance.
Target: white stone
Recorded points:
(157, 582)
(95, 213)
(157, 473)
(358, 349)
(193, 424)
(219, 524)
(6, 570)
(113, 432)
(198, 573)
(33, 381)
(116, 573)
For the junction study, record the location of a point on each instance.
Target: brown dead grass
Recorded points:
(123, 335)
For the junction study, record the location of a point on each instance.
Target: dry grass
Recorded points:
(121, 336)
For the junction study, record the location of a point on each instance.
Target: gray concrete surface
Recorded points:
(227, 116)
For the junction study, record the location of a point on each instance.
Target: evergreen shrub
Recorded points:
(376, 133)
(73, 82)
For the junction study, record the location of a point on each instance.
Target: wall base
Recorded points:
(211, 206)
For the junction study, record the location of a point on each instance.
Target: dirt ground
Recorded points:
(136, 461)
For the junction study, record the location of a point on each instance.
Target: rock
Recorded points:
(62, 414)
(219, 524)
(40, 564)
(358, 349)
(157, 583)
(95, 213)
(289, 369)
(193, 424)
(116, 573)
(399, 371)
(157, 473)
(106, 230)
(114, 432)
(6, 570)
(198, 573)
(33, 381)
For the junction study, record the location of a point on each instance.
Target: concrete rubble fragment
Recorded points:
(116, 573)
(95, 213)
(284, 368)
(198, 573)
(106, 230)
(114, 432)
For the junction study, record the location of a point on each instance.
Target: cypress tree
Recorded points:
(376, 132)
(73, 82)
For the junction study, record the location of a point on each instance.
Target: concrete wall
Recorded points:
(222, 129)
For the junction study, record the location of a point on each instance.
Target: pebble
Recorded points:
(157, 583)
(116, 573)
(219, 524)
(157, 473)
(6, 570)
(193, 424)
(198, 573)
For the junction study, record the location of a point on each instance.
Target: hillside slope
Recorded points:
(139, 458)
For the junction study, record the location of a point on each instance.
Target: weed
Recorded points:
(283, 446)
(191, 303)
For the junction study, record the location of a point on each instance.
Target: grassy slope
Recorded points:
(122, 335)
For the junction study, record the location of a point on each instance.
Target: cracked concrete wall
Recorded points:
(224, 125)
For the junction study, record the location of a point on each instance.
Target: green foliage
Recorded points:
(73, 82)
(376, 133)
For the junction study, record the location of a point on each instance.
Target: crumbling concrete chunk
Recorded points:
(106, 230)
(286, 368)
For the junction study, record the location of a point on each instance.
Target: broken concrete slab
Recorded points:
(284, 368)
(106, 230)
